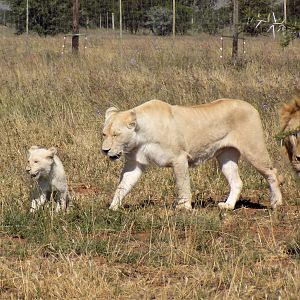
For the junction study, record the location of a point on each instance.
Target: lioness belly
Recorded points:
(154, 153)
(203, 154)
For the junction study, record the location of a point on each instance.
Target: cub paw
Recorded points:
(276, 203)
(186, 206)
(114, 207)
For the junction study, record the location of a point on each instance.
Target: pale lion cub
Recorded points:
(47, 171)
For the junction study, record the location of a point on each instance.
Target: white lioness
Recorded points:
(290, 135)
(46, 169)
(179, 137)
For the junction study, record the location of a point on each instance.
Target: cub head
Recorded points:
(40, 161)
(119, 132)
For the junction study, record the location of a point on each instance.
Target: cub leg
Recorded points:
(61, 203)
(131, 173)
(181, 172)
(228, 161)
(38, 201)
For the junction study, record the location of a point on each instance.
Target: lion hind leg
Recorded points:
(228, 161)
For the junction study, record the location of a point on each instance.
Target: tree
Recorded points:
(134, 14)
(45, 17)
(159, 20)
(183, 18)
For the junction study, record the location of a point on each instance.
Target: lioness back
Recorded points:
(221, 123)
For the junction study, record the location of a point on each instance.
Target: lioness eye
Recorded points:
(35, 161)
(103, 134)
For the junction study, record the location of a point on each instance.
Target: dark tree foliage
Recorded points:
(184, 16)
(48, 17)
(251, 11)
(293, 10)
(134, 15)
(159, 20)
(45, 17)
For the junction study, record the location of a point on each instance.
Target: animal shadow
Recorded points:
(144, 204)
(200, 203)
(248, 204)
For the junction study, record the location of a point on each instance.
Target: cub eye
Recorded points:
(103, 134)
(35, 161)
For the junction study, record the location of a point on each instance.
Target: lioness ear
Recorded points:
(109, 112)
(131, 125)
(32, 148)
(132, 122)
(51, 152)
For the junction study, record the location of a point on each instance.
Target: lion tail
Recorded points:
(287, 111)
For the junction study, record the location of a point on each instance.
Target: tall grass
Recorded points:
(147, 250)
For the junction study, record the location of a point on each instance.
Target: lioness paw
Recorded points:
(225, 205)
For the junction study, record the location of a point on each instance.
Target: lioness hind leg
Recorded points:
(181, 172)
(271, 176)
(228, 161)
(262, 164)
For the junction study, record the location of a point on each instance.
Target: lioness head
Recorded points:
(40, 161)
(118, 133)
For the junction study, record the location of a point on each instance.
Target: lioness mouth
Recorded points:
(33, 175)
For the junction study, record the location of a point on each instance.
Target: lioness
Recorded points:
(179, 137)
(290, 136)
(47, 171)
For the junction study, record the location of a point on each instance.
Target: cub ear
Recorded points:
(51, 152)
(109, 112)
(32, 148)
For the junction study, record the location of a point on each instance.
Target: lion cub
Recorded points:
(47, 171)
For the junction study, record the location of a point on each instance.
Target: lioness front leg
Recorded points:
(131, 173)
(181, 172)
(38, 201)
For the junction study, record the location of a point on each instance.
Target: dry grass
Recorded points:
(147, 250)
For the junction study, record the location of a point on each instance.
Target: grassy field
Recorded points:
(146, 250)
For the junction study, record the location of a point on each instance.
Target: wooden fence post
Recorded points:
(75, 31)
(235, 39)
